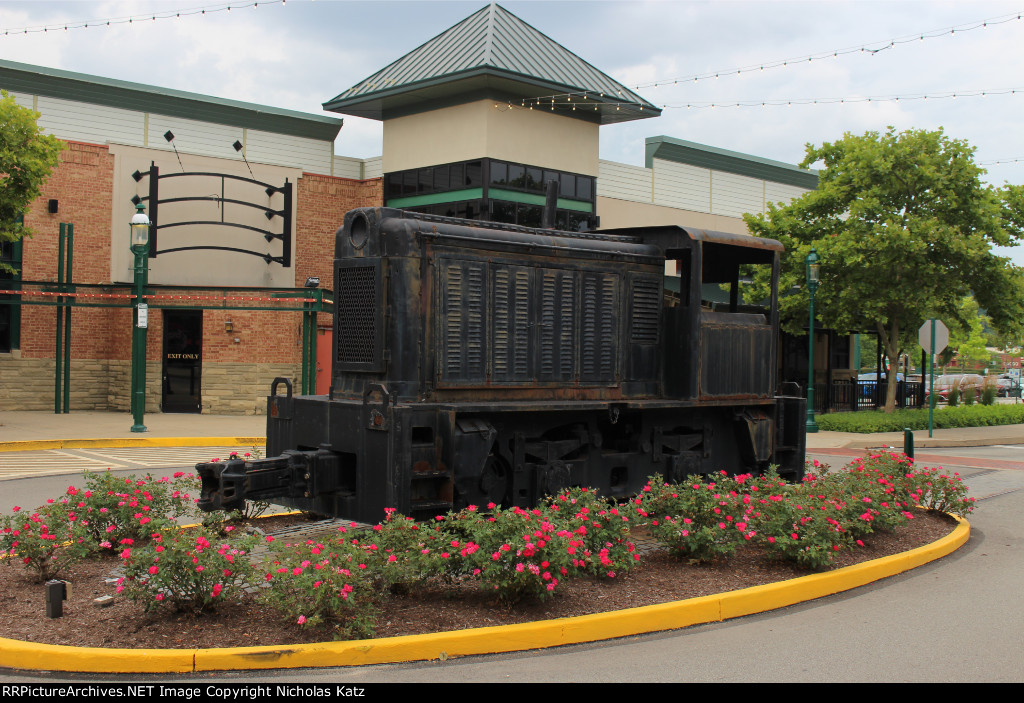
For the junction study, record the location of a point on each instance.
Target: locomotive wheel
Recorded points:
(496, 480)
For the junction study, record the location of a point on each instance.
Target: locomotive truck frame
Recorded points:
(479, 363)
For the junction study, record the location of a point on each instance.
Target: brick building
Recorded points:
(113, 129)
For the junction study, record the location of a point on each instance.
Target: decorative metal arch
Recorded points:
(285, 213)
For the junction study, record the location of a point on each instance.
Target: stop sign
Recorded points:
(924, 336)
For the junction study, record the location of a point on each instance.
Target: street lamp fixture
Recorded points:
(813, 274)
(140, 247)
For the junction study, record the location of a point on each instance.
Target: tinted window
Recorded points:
(499, 173)
(567, 186)
(456, 176)
(534, 179)
(530, 215)
(516, 176)
(585, 187)
(474, 174)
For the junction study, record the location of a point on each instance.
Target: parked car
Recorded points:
(960, 381)
(867, 382)
(1009, 387)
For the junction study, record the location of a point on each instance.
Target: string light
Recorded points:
(170, 14)
(870, 48)
(858, 99)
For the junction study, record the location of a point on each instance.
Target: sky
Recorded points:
(301, 53)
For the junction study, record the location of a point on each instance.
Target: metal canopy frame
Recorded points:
(285, 213)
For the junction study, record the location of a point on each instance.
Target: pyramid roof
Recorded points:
(492, 54)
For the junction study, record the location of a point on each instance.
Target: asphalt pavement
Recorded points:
(957, 619)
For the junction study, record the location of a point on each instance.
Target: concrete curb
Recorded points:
(114, 443)
(489, 640)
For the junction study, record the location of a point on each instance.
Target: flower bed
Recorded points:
(504, 560)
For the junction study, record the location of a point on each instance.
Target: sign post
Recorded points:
(933, 336)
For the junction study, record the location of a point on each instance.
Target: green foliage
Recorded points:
(953, 397)
(989, 393)
(189, 570)
(904, 209)
(27, 156)
(331, 584)
(696, 520)
(917, 419)
(45, 541)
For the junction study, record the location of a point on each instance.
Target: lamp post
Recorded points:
(139, 247)
(813, 271)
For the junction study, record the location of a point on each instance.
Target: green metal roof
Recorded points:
(680, 151)
(492, 54)
(80, 87)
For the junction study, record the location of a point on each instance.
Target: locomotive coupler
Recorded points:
(226, 485)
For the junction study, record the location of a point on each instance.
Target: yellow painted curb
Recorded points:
(486, 640)
(128, 442)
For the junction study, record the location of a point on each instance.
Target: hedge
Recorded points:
(917, 419)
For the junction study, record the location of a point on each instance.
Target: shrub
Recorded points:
(989, 393)
(936, 490)
(600, 528)
(47, 540)
(953, 397)
(693, 519)
(516, 553)
(917, 419)
(329, 585)
(185, 568)
(116, 507)
(970, 395)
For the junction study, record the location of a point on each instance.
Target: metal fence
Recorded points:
(848, 396)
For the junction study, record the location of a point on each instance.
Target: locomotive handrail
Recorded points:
(285, 381)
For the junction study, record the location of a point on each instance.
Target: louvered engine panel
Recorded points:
(510, 338)
(557, 325)
(463, 321)
(599, 320)
(645, 311)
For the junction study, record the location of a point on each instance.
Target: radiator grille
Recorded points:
(357, 314)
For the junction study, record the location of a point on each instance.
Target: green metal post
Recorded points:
(69, 303)
(812, 285)
(931, 395)
(140, 323)
(58, 353)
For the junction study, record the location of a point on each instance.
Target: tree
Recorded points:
(904, 229)
(27, 157)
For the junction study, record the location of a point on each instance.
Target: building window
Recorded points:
(495, 190)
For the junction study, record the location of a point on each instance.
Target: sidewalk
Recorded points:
(25, 429)
(22, 430)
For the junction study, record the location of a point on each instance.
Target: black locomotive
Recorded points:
(479, 363)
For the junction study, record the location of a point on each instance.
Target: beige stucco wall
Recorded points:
(625, 213)
(202, 267)
(481, 130)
